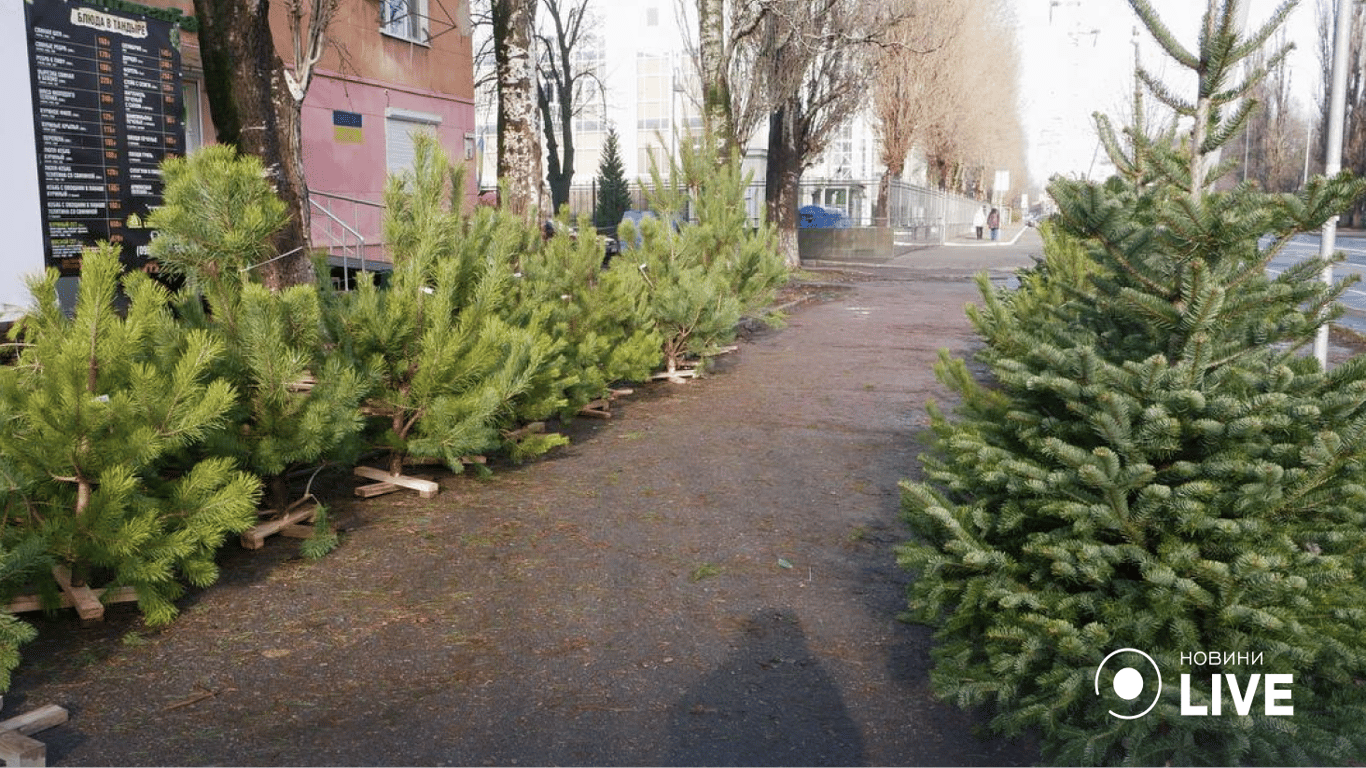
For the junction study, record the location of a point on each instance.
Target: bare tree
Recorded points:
(975, 126)
(256, 103)
(816, 58)
(1274, 140)
(519, 152)
(912, 83)
(562, 93)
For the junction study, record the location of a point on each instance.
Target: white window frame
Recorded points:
(405, 20)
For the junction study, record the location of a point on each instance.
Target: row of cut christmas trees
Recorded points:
(137, 434)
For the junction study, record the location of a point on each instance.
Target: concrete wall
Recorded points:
(861, 244)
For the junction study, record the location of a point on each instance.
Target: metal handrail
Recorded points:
(360, 240)
(336, 196)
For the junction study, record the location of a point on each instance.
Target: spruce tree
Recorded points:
(218, 220)
(453, 369)
(1155, 463)
(98, 414)
(614, 191)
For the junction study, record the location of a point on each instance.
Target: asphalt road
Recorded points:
(1353, 246)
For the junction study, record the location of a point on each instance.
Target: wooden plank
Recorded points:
(375, 489)
(297, 531)
(595, 413)
(24, 603)
(255, 538)
(36, 720)
(18, 749)
(88, 605)
(425, 488)
(622, 392)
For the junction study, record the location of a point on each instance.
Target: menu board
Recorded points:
(107, 110)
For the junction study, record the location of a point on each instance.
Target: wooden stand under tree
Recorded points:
(388, 483)
(290, 524)
(89, 603)
(17, 747)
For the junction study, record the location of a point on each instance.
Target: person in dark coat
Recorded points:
(994, 222)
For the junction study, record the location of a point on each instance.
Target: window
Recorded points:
(399, 127)
(405, 19)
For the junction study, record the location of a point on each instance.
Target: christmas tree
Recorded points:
(702, 276)
(453, 369)
(601, 316)
(298, 398)
(614, 191)
(98, 414)
(1156, 464)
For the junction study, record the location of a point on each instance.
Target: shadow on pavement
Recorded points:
(734, 717)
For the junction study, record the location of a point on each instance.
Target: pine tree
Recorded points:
(601, 316)
(1156, 464)
(98, 412)
(703, 276)
(218, 221)
(614, 191)
(453, 370)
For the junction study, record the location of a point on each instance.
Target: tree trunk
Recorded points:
(519, 152)
(256, 104)
(716, 104)
(881, 218)
(782, 182)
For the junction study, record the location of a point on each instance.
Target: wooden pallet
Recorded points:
(387, 483)
(16, 745)
(88, 602)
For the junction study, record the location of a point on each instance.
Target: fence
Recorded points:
(919, 215)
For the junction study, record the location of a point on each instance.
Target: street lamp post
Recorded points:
(1337, 107)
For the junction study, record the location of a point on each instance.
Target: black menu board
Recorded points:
(107, 110)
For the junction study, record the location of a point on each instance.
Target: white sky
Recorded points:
(1081, 61)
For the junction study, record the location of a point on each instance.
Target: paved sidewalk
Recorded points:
(959, 259)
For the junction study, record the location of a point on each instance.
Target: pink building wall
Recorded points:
(347, 168)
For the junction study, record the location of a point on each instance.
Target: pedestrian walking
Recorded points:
(979, 220)
(994, 222)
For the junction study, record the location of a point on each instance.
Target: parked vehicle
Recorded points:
(820, 217)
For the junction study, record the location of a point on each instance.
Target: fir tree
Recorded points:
(453, 370)
(614, 191)
(218, 221)
(1155, 463)
(96, 410)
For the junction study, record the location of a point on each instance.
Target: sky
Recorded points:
(1077, 58)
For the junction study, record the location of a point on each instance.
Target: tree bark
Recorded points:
(251, 106)
(884, 193)
(782, 181)
(713, 63)
(519, 152)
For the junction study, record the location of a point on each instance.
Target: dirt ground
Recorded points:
(708, 578)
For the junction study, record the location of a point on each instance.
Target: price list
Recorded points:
(107, 110)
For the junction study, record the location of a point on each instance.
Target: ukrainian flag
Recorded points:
(346, 127)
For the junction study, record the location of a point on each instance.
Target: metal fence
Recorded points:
(919, 214)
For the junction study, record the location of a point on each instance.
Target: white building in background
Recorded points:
(639, 50)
